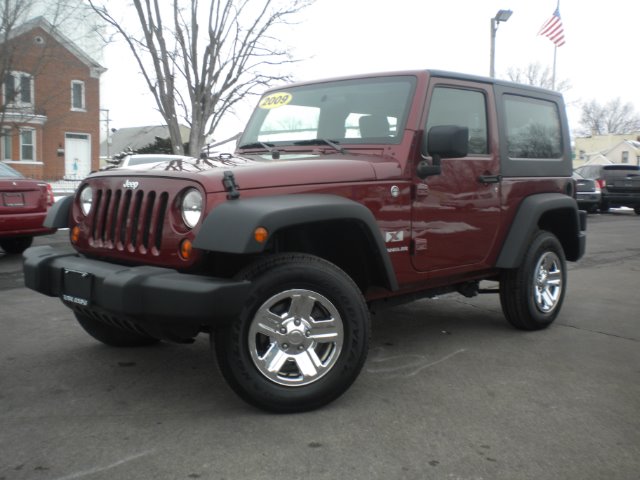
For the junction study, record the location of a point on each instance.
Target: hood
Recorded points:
(261, 171)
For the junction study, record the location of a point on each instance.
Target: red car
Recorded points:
(23, 205)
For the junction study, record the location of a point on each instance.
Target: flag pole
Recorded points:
(555, 53)
(553, 78)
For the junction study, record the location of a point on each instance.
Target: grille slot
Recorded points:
(127, 220)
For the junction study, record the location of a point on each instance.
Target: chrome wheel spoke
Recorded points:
(324, 331)
(308, 363)
(301, 306)
(268, 323)
(555, 278)
(274, 359)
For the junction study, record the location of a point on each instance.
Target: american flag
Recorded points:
(553, 29)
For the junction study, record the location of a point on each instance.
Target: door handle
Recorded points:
(487, 179)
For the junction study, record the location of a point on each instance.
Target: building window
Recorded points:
(7, 150)
(18, 89)
(77, 95)
(625, 157)
(27, 145)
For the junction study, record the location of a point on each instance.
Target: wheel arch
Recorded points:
(58, 214)
(554, 212)
(332, 227)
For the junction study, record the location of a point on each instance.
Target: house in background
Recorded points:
(133, 138)
(604, 149)
(50, 105)
(627, 151)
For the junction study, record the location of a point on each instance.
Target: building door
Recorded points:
(77, 156)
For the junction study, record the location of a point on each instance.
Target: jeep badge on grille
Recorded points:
(129, 184)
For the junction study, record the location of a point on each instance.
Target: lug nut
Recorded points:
(285, 346)
(283, 330)
(300, 347)
(296, 322)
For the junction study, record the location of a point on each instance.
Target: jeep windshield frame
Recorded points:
(348, 112)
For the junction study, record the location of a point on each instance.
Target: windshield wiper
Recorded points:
(275, 154)
(322, 141)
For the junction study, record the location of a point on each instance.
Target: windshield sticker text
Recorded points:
(275, 100)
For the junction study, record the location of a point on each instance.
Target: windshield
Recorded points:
(369, 110)
(140, 160)
(7, 172)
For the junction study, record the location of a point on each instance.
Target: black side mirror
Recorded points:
(442, 141)
(447, 141)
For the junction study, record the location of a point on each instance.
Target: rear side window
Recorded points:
(533, 128)
(620, 171)
(464, 108)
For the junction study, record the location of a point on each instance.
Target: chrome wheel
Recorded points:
(295, 337)
(547, 282)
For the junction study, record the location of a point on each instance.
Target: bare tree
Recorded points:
(14, 16)
(612, 118)
(13, 13)
(199, 72)
(536, 74)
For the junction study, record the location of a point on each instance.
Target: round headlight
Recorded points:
(86, 200)
(191, 207)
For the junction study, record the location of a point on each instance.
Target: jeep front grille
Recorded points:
(128, 220)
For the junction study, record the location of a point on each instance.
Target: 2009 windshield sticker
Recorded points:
(275, 100)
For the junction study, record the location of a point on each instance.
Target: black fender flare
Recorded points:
(229, 227)
(58, 214)
(527, 221)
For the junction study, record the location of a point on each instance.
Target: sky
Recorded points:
(343, 37)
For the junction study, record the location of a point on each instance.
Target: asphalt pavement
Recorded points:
(450, 391)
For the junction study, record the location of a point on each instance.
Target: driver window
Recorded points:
(465, 108)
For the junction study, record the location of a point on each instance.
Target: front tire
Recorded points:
(112, 335)
(531, 295)
(16, 245)
(301, 338)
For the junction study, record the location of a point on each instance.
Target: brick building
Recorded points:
(50, 105)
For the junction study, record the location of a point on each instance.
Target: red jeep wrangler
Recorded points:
(341, 194)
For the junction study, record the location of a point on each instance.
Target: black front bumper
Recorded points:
(160, 301)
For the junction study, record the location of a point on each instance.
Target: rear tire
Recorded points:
(301, 338)
(113, 336)
(531, 295)
(16, 245)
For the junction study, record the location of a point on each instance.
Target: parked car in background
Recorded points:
(588, 193)
(23, 206)
(145, 161)
(620, 184)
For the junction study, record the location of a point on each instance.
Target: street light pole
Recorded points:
(501, 16)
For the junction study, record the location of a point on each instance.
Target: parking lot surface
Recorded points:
(450, 391)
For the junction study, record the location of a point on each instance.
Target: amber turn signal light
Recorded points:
(260, 234)
(186, 247)
(75, 234)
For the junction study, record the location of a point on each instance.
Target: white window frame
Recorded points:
(32, 144)
(6, 142)
(625, 156)
(17, 85)
(83, 107)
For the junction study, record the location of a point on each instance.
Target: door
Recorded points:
(77, 157)
(456, 214)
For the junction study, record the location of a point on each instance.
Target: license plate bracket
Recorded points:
(13, 199)
(76, 287)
